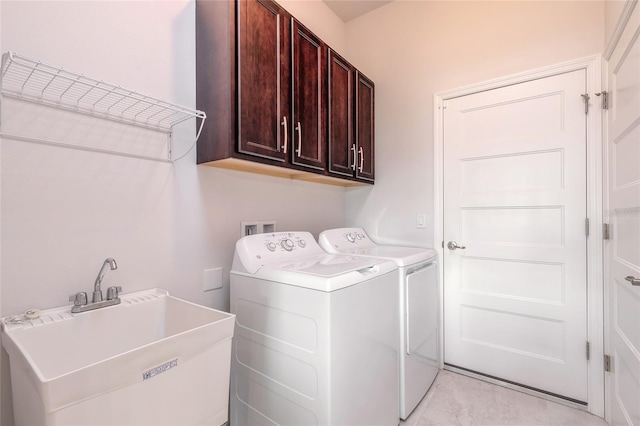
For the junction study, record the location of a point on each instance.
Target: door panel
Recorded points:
(365, 132)
(263, 68)
(341, 104)
(514, 279)
(623, 249)
(309, 93)
(515, 199)
(526, 171)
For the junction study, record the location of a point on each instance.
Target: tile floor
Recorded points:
(459, 400)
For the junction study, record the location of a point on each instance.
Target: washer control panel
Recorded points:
(274, 247)
(287, 241)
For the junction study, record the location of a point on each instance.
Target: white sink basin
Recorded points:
(153, 359)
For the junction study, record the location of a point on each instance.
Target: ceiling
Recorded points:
(351, 9)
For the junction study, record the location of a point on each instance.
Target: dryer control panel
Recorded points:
(346, 239)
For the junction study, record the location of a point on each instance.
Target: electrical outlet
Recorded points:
(421, 220)
(212, 279)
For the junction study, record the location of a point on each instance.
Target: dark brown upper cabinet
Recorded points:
(308, 115)
(341, 113)
(264, 81)
(351, 121)
(365, 132)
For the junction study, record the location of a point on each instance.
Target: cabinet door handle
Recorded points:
(361, 152)
(286, 142)
(299, 129)
(353, 165)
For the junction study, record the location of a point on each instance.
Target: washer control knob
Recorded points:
(360, 236)
(302, 243)
(271, 246)
(287, 244)
(351, 237)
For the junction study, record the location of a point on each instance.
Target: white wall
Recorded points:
(316, 16)
(413, 49)
(612, 11)
(64, 211)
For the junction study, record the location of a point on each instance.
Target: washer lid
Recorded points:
(324, 265)
(325, 272)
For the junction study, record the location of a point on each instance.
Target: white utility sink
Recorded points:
(152, 359)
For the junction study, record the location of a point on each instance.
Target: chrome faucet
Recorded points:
(97, 292)
(80, 302)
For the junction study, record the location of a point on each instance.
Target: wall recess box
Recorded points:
(257, 227)
(248, 228)
(212, 279)
(268, 226)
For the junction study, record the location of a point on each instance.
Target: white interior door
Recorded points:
(624, 211)
(515, 200)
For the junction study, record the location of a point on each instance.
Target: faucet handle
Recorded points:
(113, 292)
(79, 299)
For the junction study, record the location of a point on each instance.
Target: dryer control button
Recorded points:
(287, 244)
(351, 237)
(271, 246)
(302, 243)
(360, 236)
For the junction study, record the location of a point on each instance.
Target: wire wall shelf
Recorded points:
(34, 81)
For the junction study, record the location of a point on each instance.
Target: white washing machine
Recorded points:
(418, 307)
(316, 335)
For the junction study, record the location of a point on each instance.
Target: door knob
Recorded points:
(633, 280)
(452, 245)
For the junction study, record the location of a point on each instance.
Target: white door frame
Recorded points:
(595, 295)
(623, 20)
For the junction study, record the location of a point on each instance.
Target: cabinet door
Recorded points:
(365, 128)
(308, 96)
(340, 116)
(263, 79)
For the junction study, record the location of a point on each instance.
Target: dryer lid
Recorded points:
(355, 241)
(402, 256)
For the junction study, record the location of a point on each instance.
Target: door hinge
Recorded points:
(605, 231)
(605, 99)
(585, 98)
(443, 244)
(588, 351)
(586, 227)
(607, 363)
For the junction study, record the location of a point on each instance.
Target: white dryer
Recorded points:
(315, 341)
(418, 307)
